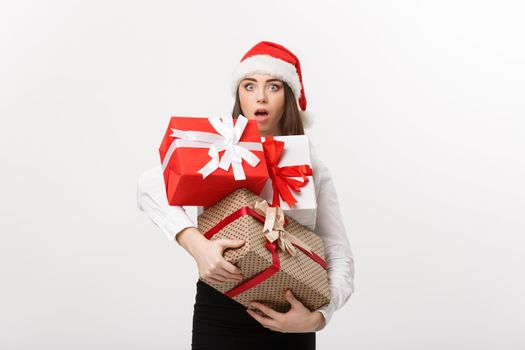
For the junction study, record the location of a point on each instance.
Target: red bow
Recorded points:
(281, 181)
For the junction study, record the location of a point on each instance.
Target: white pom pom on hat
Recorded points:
(275, 60)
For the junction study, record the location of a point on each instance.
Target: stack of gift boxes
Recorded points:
(258, 189)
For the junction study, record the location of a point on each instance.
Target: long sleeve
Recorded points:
(151, 198)
(338, 253)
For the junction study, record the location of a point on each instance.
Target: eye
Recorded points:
(248, 86)
(274, 87)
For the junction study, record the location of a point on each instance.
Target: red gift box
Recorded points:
(206, 159)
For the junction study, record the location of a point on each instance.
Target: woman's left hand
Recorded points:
(297, 320)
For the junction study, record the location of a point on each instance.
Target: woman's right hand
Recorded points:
(208, 255)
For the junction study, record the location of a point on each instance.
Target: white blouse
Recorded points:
(151, 198)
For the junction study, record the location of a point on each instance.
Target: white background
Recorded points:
(419, 111)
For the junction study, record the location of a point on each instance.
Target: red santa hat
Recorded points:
(275, 60)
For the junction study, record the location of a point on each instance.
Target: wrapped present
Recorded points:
(291, 184)
(205, 159)
(278, 253)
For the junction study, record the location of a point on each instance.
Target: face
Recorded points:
(262, 99)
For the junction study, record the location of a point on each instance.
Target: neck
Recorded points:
(269, 133)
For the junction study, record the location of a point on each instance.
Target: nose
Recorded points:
(261, 95)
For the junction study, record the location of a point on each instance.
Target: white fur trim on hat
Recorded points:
(266, 64)
(307, 119)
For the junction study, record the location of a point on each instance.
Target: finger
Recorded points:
(225, 276)
(213, 280)
(230, 243)
(292, 299)
(265, 321)
(221, 280)
(267, 310)
(230, 268)
(230, 274)
(236, 277)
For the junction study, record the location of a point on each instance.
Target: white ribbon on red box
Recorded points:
(226, 140)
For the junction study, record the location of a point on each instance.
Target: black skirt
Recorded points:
(220, 322)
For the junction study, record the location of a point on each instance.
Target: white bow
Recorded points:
(227, 140)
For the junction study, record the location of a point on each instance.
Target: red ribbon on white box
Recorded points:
(226, 140)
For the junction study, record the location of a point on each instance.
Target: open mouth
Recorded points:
(261, 114)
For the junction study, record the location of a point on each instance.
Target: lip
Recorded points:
(259, 118)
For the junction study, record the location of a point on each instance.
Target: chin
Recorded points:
(262, 128)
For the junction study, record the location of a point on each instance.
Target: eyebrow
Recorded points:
(269, 80)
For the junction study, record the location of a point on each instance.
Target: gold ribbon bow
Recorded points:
(274, 228)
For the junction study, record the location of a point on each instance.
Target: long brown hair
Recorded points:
(290, 123)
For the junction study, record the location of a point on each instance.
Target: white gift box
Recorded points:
(296, 152)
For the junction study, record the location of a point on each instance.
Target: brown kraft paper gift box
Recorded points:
(268, 270)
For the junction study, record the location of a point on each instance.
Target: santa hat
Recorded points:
(275, 60)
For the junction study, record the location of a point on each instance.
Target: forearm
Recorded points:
(318, 321)
(190, 239)
(151, 198)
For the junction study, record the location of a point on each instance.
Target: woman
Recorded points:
(268, 87)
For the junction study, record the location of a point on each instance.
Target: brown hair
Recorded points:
(290, 123)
